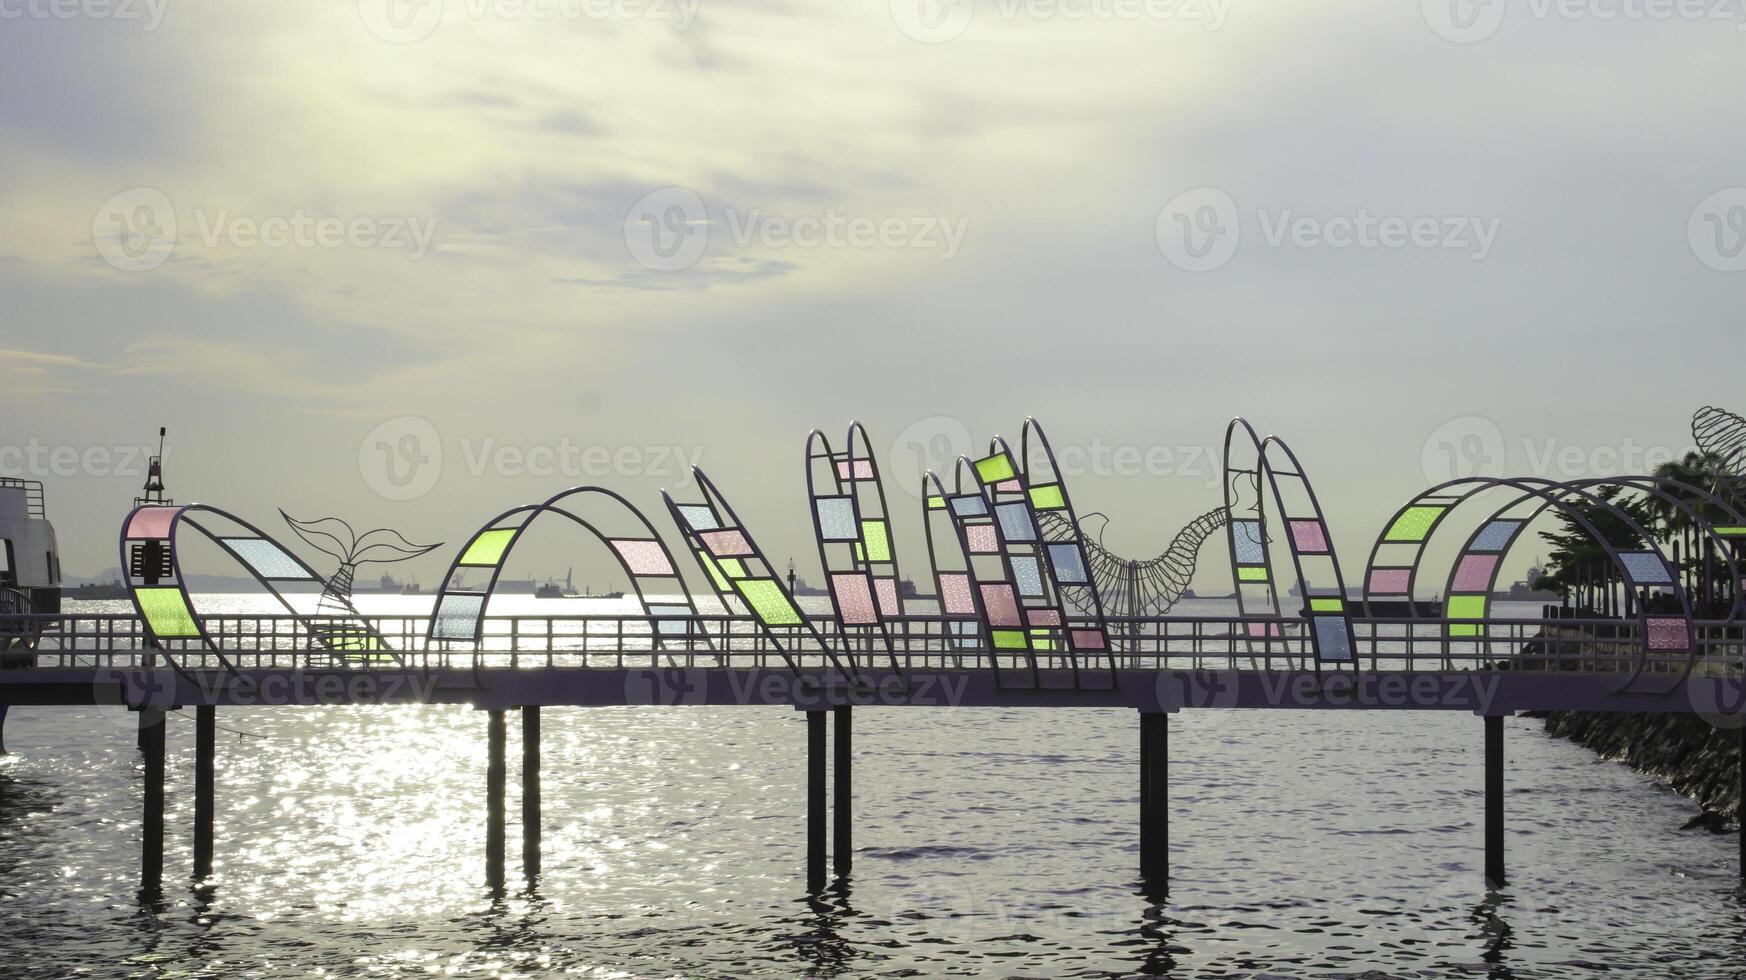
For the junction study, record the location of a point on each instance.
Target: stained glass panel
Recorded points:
(969, 505)
(878, 544)
(700, 516)
(854, 597)
(1015, 522)
(1645, 568)
(1068, 564)
(1669, 634)
(994, 469)
(1027, 574)
(1310, 537)
(955, 595)
(885, 588)
(487, 549)
(982, 539)
(151, 522)
(1247, 535)
(267, 559)
(1390, 581)
(765, 597)
(1333, 638)
(836, 518)
(643, 556)
(1414, 523)
(457, 616)
(1474, 573)
(1089, 640)
(723, 544)
(1495, 536)
(167, 614)
(1000, 605)
(1048, 497)
(1009, 640)
(1252, 573)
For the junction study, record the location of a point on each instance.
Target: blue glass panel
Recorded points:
(457, 616)
(1495, 536)
(836, 519)
(969, 505)
(675, 624)
(1015, 522)
(1645, 568)
(1333, 639)
(267, 559)
(1027, 574)
(1248, 537)
(1068, 565)
(700, 518)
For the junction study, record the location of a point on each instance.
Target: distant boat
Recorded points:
(551, 589)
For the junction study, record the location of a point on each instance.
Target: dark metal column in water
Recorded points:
(1155, 799)
(815, 801)
(1743, 803)
(494, 777)
(205, 747)
(530, 791)
(1494, 804)
(842, 810)
(151, 744)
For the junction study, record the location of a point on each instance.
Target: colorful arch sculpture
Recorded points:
(1472, 576)
(740, 574)
(151, 563)
(856, 545)
(954, 582)
(1313, 557)
(988, 575)
(627, 534)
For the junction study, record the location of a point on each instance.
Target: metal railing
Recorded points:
(245, 642)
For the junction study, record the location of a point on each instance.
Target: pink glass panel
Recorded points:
(726, 544)
(1311, 538)
(1391, 581)
(1001, 605)
(152, 522)
(1474, 574)
(1007, 486)
(1089, 640)
(1668, 634)
(643, 557)
(860, 469)
(854, 599)
(982, 539)
(1043, 617)
(1264, 629)
(955, 593)
(887, 589)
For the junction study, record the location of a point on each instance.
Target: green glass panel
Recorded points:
(767, 601)
(167, 613)
(487, 549)
(1326, 604)
(1732, 532)
(994, 469)
(1009, 639)
(733, 567)
(936, 502)
(1253, 573)
(878, 544)
(1459, 629)
(1414, 523)
(1048, 497)
(1466, 607)
(351, 639)
(714, 570)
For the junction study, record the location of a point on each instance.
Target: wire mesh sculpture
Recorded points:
(1722, 435)
(336, 539)
(1138, 587)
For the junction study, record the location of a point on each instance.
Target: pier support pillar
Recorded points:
(151, 743)
(530, 791)
(1743, 803)
(494, 779)
(205, 747)
(815, 801)
(1155, 800)
(842, 808)
(1494, 800)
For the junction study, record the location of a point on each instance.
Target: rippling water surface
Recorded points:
(989, 842)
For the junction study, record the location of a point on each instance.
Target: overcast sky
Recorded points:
(469, 252)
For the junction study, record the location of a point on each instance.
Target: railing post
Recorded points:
(205, 748)
(1494, 804)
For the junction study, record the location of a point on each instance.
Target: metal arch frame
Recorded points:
(555, 505)
(859, 558)
(954, 640)
(1551, 493)
(1072, 535)
(717, 504)
(999, 494)
(961, 525)
(1270, 581)
(185, 514)
(1265, 464)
